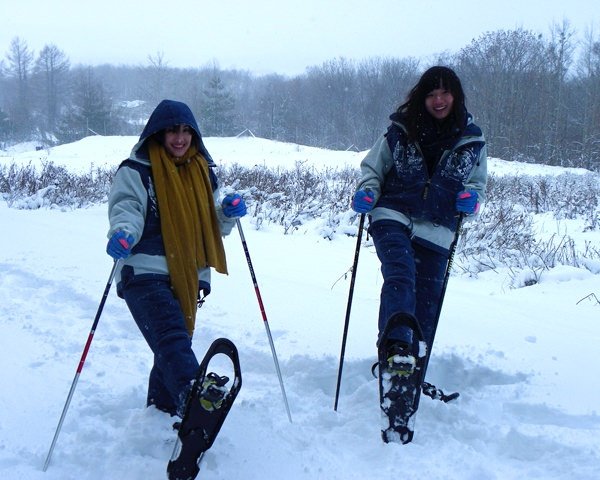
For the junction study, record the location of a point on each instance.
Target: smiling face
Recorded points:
(438, 103)
(177, 140)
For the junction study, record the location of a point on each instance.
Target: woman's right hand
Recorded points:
(119, 245)
(363, 201)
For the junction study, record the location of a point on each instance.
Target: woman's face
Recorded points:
(178, 139)
(438, 103)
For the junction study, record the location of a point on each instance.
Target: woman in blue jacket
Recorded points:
(166, 227)
(428, 168)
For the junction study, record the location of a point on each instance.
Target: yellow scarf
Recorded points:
(188, 222)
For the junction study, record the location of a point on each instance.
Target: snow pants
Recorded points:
(413, 277)
(159, 317)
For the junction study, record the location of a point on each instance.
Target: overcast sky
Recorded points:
(266, 36)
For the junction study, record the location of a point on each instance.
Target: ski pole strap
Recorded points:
(437, 393)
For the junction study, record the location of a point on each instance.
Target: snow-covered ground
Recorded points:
(524, 360)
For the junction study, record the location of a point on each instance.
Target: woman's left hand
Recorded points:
(466, 202)
(234, 206)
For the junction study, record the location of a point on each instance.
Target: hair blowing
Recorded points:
(414, 107)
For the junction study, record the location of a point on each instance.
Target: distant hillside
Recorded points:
(99, 151)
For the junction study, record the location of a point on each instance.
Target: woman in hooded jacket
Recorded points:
(166, 228)
(428, 170)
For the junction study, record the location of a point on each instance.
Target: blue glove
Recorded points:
(466, 202)
(363, 201)
(119, 245)
(234, 206)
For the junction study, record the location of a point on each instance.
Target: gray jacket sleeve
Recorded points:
(225, 223)
(478, 179)
(127, 203)
(375, 167)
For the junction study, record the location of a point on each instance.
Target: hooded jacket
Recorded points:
(132, 201)
(396, 172)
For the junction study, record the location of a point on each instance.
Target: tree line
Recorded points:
(536, 97)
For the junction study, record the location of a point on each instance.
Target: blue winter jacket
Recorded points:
(395, 170)
(132, 202)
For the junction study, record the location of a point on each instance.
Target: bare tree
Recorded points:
(587, 101)
(19, 64)
(383, 83)
(506, 71)
(560, 56)
(274, 108)
(332, 88)
(52, 67)
(157, 76)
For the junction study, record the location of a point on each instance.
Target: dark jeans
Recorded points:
(159, 317)
(413, 277)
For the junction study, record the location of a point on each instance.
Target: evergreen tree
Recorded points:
(91, 112)
(218, 116)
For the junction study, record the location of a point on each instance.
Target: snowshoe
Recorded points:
(207, 405)
(401, 369)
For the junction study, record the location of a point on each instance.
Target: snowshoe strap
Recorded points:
(437, 393)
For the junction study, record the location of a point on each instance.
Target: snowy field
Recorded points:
(525, 361)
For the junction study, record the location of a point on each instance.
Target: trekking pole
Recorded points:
(448, 268)
(81, 362)
(349, 306)
(264, 316)
(443, 292)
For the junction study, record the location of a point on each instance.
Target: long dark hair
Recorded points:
(413, 110)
